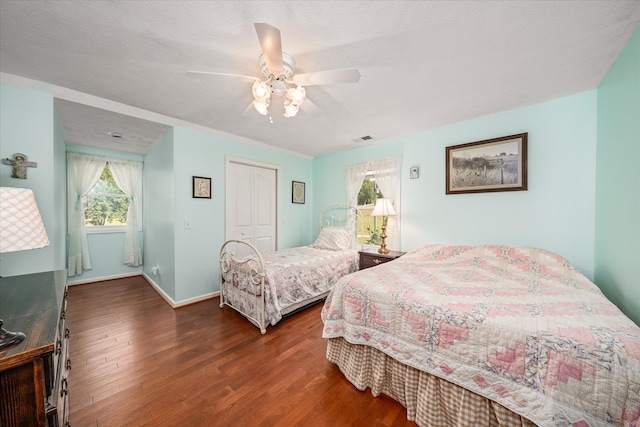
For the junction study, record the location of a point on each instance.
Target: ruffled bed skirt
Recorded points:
(430, 401)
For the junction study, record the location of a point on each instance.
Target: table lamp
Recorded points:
(21, 229)
(383, 208)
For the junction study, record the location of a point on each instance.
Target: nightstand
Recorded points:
(371, 259)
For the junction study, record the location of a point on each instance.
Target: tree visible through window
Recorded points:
(367, 196)
(106, 204)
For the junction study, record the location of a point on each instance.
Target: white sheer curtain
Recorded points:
(83, 171)
(354, 176)
(128, 176)
(387, 175)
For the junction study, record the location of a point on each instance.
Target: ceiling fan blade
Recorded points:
(310, 108)
(208, 74)
(271, 44)
(349, 75)
(249, 111)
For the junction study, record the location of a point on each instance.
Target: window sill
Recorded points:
(106, 230)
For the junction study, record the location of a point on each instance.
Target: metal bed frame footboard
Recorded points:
(248, 302)
(241, 261)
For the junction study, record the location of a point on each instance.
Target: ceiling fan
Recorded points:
(279, 78)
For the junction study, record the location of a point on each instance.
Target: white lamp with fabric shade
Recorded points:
(21, 229)
(383, 208)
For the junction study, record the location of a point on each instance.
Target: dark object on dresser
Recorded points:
(8, 338)
(371, 259)
(33, 374)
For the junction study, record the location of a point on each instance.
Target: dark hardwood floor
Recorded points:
(136, 361)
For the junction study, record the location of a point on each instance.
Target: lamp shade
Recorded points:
(383, 207)
(21, 226)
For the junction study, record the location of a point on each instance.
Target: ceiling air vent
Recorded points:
(363, 138)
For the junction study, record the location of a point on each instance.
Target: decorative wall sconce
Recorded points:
(20, 164)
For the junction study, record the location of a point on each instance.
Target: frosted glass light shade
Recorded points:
(21, 226)
(297, 95)
(383, 207)
(290, 110)
(261, 107)
(260, 90)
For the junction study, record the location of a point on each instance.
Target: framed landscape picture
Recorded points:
(297, 192)
(201, 187)
(498, 164)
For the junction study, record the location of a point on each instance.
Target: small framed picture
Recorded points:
(201, 187)
(414, 172)
(297, 192)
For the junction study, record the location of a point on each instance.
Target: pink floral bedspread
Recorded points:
(296, 275)
(517, 325)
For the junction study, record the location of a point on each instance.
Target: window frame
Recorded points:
(104, 229)
(370, 176)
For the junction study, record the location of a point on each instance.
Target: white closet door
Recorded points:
(264, 232)
(251, 205)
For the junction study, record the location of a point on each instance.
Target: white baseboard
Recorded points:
(182, 303)
(104, 278)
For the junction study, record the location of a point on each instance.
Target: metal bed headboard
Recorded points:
(344, 216)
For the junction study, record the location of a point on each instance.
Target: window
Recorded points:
(369, 193)
(368, 181)
(106, 205)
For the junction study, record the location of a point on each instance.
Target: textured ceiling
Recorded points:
(90, 126)
(424, 64)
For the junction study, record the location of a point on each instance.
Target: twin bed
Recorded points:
(266, 287)
(486, 335)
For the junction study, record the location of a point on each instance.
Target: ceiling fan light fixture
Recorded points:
(296, 95)
(261, 106)
(290, 110)
(260, 90)
(278, 76)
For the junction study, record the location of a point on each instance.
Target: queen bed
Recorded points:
(266, 287)
(486, 335)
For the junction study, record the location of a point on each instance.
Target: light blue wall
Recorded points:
(188, 258)
(556, 213)
(27, 126)
(617, 232)
(159, 214)
(197, 249)
(59, 196)
(105, 249)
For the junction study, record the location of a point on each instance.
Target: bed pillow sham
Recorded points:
(334, 239)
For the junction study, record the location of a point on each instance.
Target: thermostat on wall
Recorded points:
(414, 172)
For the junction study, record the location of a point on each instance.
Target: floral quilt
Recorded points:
(292, 276)
(517, 325)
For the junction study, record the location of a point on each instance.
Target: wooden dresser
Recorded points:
(33, 373)
(371, 259)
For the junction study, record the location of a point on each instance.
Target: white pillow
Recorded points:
(334, 239)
